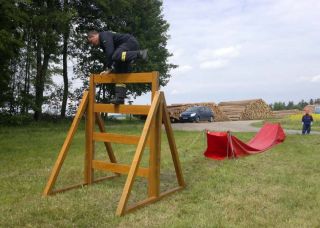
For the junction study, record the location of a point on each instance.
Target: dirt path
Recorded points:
(234, 126)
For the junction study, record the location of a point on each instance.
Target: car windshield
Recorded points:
(192, 109)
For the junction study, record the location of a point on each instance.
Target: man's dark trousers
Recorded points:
(306, 129)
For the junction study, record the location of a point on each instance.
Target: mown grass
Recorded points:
(292, 122)
(278, 188)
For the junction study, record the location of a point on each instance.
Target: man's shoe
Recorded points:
(143, 54)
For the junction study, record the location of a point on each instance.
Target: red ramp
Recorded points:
(223, 145)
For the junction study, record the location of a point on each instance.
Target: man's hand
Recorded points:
(106, 71)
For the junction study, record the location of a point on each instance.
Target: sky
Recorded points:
(242, 49)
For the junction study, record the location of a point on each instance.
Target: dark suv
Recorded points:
(196, 114)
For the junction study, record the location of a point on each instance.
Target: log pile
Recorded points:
(284, 113)
(176, 109)
(246, 109)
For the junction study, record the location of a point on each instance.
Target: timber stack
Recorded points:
(246, 109)
(176, 109)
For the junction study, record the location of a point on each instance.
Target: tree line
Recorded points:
(39, 38)
(291, 105)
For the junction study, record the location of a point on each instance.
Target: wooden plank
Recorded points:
(81, 185)
(66, 144)
(125, 109)
(116, 138)
(152, 199)
(118, 168)
(155, 84)
(155, 153)
(106, 144)
(172, 144)
(137, 157)
(146, 77)
(90, 120)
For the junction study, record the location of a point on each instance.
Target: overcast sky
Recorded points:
(243, 49)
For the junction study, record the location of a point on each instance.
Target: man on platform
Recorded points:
(120, 51)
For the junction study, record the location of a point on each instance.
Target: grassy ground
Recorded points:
(292, 122)
(279, 188)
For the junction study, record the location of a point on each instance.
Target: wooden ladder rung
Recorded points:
(116, 138)
(118, 168)
(146, 77)
(125, 109)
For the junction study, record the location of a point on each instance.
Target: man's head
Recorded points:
(93, 38)
(306, 111)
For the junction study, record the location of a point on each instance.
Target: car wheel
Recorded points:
(197, 120)
(173, 120)
(211, 119)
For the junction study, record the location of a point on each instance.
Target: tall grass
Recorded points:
(293, 122)
(298, 117)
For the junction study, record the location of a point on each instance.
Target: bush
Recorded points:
(15, 120)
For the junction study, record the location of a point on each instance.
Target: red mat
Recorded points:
(223, 145)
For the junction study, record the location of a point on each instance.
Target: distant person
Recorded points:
(120, 51)
(307, 121)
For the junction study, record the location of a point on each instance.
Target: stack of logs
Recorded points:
(246, 109)
(233, 110)
(176, 109)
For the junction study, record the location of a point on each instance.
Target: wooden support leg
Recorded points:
(137, 157)
(90, 120)
(155, 153)
(172, 144)
(66, 145)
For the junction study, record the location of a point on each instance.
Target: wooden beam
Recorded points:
(152, 199)
(116, 138)
(155, 152)
(106, 144)
(66, 144)
(155, 84)
(81, 185)
(172, 144)
(118, 168)
(146, 77)
(137, 157)
(90, 120)
(125, 109)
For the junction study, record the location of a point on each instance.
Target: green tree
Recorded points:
(311, 102)
(69, 15)
(141, 18)
(11, 20)
(278, 106)
(302, 104)
(290, 105)
(47, 21)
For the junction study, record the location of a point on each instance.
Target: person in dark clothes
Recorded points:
(307, 121)
(120, 51)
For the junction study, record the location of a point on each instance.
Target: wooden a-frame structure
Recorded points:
(157, 115)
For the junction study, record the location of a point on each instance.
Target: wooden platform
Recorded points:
(157, 115)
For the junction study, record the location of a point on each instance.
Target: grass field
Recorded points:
(278, 188)
(293, 122)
